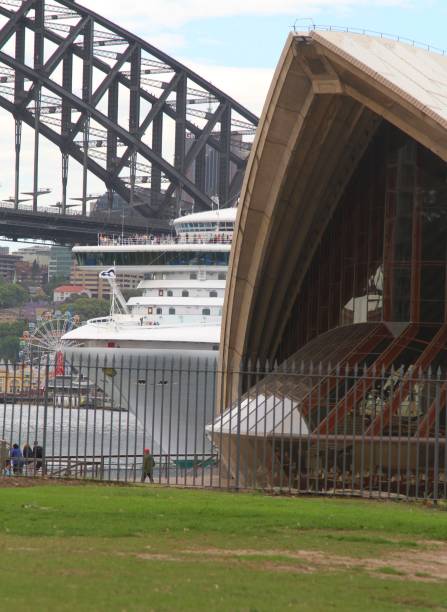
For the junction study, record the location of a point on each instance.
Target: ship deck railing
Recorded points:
(155, 321)
(117, 240)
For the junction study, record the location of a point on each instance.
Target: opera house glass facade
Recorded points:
(339, 272)
(383, 255)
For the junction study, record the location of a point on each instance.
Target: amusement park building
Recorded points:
(340, 247)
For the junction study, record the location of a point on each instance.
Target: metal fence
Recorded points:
(309, 429)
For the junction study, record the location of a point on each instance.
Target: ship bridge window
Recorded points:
(226, 226)
(159, 311)
(154, 258)
(169, 293)
(172, 311)
(197, 227)
(221, 275)
(213, 293)
(185, 293)
(206, 312)
(193, 276)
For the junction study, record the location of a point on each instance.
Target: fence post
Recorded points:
(238, 426)
(45, 417)
(436, 449)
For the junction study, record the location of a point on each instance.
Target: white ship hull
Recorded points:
(170, 392)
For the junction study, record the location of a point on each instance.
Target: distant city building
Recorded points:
(59, 265)
(8, 266)
(63, 292)
(30, 273)
(100, 288)
(38, 253)
(16, 380)
(4, 250)
(211, 165)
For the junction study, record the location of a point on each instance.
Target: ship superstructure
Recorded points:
(176, 318)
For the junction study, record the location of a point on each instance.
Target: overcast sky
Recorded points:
(235, 44)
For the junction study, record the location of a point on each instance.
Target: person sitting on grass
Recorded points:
(7, 470)
(148, 466)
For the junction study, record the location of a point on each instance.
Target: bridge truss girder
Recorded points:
(126, 111)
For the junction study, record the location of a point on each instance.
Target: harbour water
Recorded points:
(89, 443)
(83, 438)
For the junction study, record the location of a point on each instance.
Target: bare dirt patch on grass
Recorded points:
(427, 565)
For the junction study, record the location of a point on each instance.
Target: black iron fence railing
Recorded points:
(333, 430)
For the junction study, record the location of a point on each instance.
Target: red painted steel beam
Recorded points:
(364, 383)
(424, 360)
(366, 345)
(429, 419)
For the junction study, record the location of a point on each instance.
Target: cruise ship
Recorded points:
(156, 353)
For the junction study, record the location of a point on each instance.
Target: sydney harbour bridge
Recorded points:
(149, 128)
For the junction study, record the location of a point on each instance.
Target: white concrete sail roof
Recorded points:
(416, 74)
(261, 415)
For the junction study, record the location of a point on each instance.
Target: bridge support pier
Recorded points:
(18, 143)
(64, 182)
(85, 164)
(37, 105)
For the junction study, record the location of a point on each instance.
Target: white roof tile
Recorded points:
(418, 75)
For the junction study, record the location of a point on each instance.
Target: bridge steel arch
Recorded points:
(126, 111)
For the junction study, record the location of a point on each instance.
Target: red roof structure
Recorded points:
(71, 289)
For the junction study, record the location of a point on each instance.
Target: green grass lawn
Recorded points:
(111, 548)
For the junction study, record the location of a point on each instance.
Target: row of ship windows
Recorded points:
(148, 258)
(226, 226)
(185, 293)
(205, 311)
(192, 276)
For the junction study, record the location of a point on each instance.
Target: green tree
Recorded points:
(35, 270)
(12, 329)
(12, 295)
(87, 308)
(10, 334)
(9, 348)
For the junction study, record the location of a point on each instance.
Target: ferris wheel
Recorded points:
(45, 343)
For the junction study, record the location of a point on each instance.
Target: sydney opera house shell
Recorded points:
(340, 251)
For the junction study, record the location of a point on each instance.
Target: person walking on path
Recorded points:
(38, 455)
(148, 466)
(28, 455)
(16, 459)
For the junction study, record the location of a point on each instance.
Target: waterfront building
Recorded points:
(64, 292)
